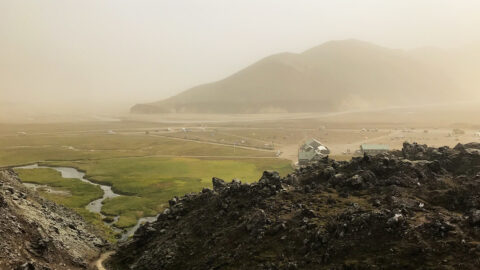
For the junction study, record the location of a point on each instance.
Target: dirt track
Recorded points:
(99, 262)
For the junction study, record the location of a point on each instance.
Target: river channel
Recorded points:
(96, 205)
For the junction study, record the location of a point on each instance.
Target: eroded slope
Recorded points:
(39, 234)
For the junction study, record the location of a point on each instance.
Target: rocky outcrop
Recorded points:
(38, 234)
(413, 209)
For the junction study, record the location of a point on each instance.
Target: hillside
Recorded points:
(412, 209)
(335, 76)
(38, 234)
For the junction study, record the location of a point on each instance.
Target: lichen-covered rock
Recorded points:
(38, 234)
(410, 209)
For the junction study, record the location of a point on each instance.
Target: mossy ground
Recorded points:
(77, 194)
(148, 183)
(147, 170)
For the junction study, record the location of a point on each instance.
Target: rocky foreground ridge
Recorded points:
(418, 208)
(37, 234)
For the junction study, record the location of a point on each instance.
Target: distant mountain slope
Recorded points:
(338, 75)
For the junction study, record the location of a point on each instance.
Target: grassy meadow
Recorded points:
(76, 194)
(70, 192)
(16, 150)
(149, 182)
(145, 168)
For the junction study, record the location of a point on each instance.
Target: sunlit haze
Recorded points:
(239, 134)
(106, 56)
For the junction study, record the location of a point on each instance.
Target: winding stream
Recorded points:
(96, 205)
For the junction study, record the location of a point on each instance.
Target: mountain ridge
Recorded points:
(333, 76)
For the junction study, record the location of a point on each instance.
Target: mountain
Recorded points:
(337, 75)
(412, 209)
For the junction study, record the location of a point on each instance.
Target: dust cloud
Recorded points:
(64, 60)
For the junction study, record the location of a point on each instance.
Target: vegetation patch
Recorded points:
(151, 181)
(36, 148)
(146, 169)
(77, 194)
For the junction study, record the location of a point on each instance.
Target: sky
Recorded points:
(91, 55)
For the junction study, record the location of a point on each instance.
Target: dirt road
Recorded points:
(103, 257)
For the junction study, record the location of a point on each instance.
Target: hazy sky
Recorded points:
(122, 52)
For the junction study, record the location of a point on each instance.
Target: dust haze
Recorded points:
(239, 134)
(90, 58)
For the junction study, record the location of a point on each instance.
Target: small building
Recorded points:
(374, 149)
(310, 151)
